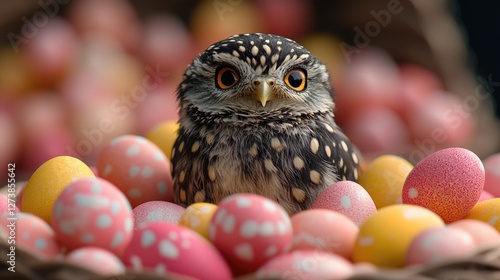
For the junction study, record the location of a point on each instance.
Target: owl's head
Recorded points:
(252, 74)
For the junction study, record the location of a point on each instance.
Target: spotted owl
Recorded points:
(257, 116)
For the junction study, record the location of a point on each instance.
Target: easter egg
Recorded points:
(48, 181)
(449, 182)
(485, 196)
(7, 205)
(492, 174)
(93, 212)
(384, 238)
(197, 217)
(348, 198)
(170, 248)
(96, 259)
(164, 135)
(487, 211)
(249, 230)
(306, 265)
(325, 230)
(156, 211)
(437, 244)
(482, 232)
(384, 178)
(32, 234)
(138, 168)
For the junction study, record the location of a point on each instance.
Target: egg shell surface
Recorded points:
(96, 259)
(157, 211)
(487, 211)
(164, 135)
(197, 217)
(492, 174)
(482, 232)
(8, 206)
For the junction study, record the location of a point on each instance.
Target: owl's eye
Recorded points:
(296, 79)
(226, 77)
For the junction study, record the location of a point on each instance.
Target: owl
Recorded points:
(256, 116)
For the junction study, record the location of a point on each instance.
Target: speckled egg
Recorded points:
(249, 230)
(165, 248)
(138, 168)
(48, 181)
(492, 174)
(449, 182)
(164, 135)
(93, 212)
(482, 232)
(31, 233)
(156, 211)
(96, 259)
(384, 178)
(438, 244)
(309, 264)
(487, 211)
(348, 198)
(325, 230)
(384, 238)
(197, 217)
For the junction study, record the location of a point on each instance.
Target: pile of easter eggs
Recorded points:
(119, 218)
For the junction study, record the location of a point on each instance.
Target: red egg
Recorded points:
(96, 259)
(482, 232)
(249, 230)
(306, 265)
(325, 230)
(348, 198)
(156, 211)
(170, 248)
(138, 168)
(492, 173)
(437, 244)
(448, 182)
(93, 212)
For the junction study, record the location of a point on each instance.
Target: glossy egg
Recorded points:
(96, 259)
(384, 238)
(448, 182)
(138, 168)
(482, 232)
(156, 211)
(384, 179)
(197, 217)
(249, 230)
(48, 181)
(93, 212)
(165, 248)
(348, 198)
(438, 244)
(309, 264)
(487, 211)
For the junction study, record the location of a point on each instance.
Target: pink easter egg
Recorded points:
(138, 168)
(449, 182)
(31, 233)
(306, 265)
(325, 230)
(482, 233)
(170, 248)
(249, 230)
(291, 19)
(8, 204)
(348, 198)
(437, 244)
(492, 173)
(156, 211)
(96, 259)
(485, 196)
(93, 212)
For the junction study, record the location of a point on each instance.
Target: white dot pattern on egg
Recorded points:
(93, 212)
(138, 168)
(166, 247)
(96, 259)
(250, 229)
(157, 211)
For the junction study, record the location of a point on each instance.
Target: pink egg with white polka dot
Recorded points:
(157, 211)
(138, 168)
(30, 233)
(306, 265)
(348, 198)
(96, 259)
(93, 212)
(169, 248)
(249, 230)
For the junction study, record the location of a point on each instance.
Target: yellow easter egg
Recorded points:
(197, 217)
(487, 211)
(384, 238)
(48, 181)
(384, 179)
(163, 135)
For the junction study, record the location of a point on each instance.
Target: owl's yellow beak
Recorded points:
(264, 91)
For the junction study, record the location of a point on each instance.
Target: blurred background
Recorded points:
(410, 77)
